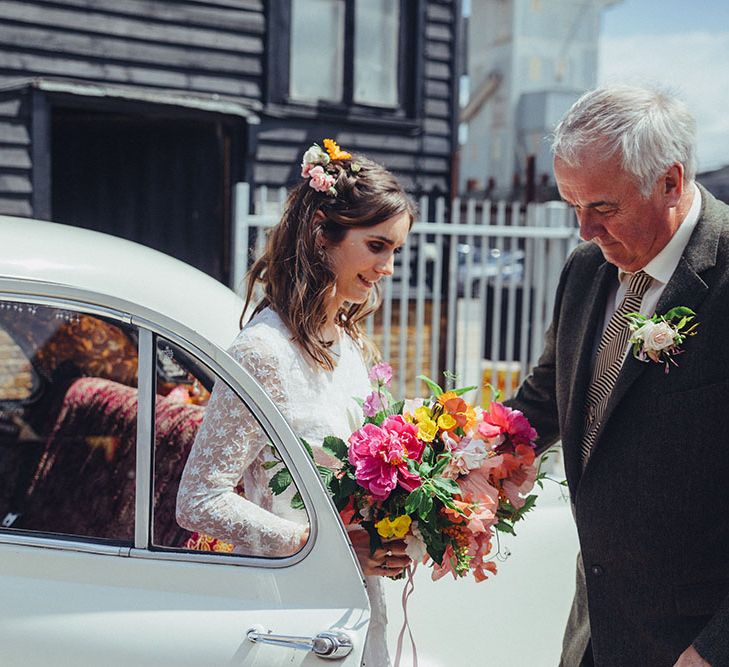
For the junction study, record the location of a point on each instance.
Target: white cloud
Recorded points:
(694, 65)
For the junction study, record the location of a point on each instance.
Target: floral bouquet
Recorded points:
(659, 338)
(440, 473)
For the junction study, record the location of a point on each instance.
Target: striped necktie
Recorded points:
(609, 360)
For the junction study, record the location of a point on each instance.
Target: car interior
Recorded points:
(68, 422)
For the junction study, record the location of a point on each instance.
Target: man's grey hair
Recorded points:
(649, 128)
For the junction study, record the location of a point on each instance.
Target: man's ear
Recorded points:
(673, 184)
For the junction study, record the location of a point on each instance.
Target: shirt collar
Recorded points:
(662, 266)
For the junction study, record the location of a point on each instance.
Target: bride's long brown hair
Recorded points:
(294, 269)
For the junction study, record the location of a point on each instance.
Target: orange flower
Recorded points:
(460, 410)
(476, 517)
(479, 571)
(446, 396)
(201, 542)
(335, 153)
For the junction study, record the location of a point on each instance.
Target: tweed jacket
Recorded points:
(652, 504)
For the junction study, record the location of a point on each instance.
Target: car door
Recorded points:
(100, 401)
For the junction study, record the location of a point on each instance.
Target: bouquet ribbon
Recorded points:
(407, 591)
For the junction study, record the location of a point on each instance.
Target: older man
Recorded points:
(646, 450)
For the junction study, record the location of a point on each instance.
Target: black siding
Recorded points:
(16, 176)
(418, 150)
(213, 48)
(197, 47)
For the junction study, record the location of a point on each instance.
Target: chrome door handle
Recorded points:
(330, 644)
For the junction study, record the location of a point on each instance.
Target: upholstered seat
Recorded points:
(85, 481)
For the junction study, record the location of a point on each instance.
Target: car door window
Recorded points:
(213, 462)
(68, 422)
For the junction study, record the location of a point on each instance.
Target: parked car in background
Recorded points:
(477, 263)
(108, 353)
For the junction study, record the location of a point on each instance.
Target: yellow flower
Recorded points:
(446, 422)
(398, 527)
(461, 411)
(334, 151)
(427, 430)
(423, 414)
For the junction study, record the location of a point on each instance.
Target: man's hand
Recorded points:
(691, 658)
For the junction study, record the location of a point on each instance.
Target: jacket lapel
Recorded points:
(586, 332)
(685, 288)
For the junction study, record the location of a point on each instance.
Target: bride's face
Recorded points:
(364, 256)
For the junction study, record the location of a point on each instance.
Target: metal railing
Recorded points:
(472, 295)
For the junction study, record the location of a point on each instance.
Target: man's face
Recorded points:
(629, 228)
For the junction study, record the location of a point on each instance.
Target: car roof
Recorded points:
(35, 250)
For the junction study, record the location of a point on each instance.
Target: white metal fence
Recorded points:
(472, 295)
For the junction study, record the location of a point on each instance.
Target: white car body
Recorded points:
(81, 603)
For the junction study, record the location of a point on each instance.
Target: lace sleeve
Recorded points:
(228, 445)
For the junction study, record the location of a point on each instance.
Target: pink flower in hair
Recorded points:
(320, 180)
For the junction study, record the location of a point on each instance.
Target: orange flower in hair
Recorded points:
(335, 153)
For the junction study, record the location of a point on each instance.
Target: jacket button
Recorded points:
(596, 570)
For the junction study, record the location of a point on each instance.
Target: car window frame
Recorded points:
(150, 324)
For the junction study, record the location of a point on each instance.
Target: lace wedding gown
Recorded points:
(230, 449)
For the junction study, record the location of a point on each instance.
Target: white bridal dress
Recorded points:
(229, 450)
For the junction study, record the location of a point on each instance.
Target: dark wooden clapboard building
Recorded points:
(137, 117)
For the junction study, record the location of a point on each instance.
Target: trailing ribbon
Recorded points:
(407, 591)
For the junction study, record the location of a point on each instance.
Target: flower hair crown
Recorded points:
(317, 166)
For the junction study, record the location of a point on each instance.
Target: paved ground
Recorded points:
(515, 619)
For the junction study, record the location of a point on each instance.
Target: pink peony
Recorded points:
(320, 180)
(381, 373)
(380, 454)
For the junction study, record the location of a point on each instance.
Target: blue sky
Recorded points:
(680, 45)
(641, 17)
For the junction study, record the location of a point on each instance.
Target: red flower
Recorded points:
(513, 424)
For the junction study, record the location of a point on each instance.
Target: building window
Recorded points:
(346, 53)
(317, 50)
(376, 42)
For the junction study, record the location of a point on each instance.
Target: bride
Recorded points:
(337, 237)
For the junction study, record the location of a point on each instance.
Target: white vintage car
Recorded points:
(108, 352)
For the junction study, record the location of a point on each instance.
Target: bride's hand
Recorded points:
(388, 561)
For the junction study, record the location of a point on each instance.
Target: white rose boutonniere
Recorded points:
(659, 338)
